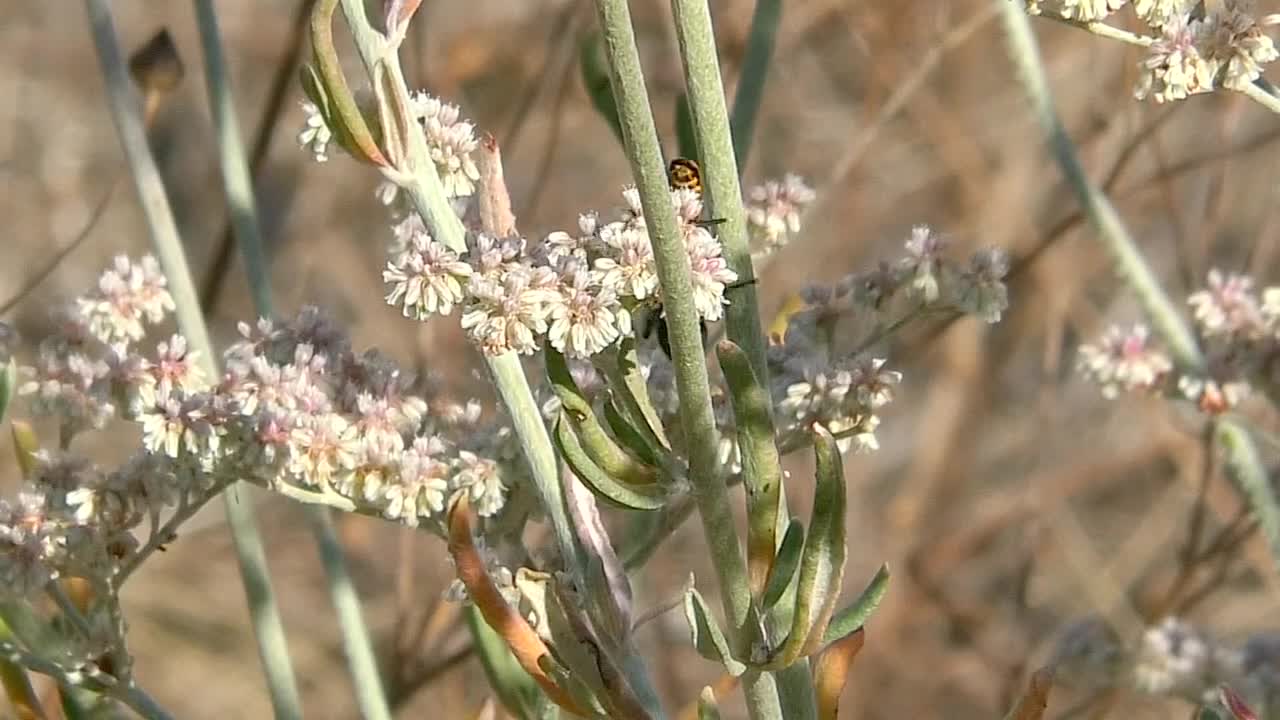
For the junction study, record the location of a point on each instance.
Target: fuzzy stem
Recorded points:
(645, 154)
(1242, 455)
(268, 628)
(719, 139)
(244, 218)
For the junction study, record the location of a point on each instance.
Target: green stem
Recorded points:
(644, 151)
(755, 69)
(719, 139)
(244, 218)
(268, 628)
(1242, 455)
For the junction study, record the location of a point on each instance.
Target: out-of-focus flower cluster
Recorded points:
(1172, 657)
(577, 291)
(1240, 335)
(295, 410)
(774, 211)
(1197, 47)
(820, 373)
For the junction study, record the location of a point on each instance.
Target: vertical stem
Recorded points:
(640, 139)
(238, 183)
(718, 141)
(755, 69)
(268, 628)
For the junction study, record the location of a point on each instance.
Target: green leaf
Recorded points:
(708, 709)
(822, 563)
(761, 465)
(517, 692)
(784, 566)
(852, 618)
(755, 68)
(599, 446)
(633, 497)
(630, 436)
(25, 445)
(8, 384)
(595, 78)
(686, 139)
(707, 637)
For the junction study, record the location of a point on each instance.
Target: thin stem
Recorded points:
(244, 220)
(268, 628)
(719, 140)
(644, 151)
(755, 69)
(1242, 456)
(1133, 268)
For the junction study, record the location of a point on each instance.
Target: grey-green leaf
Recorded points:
(855, 615)
(633, 497)
(707, 637)
(595, 77)
(8, 385)
(822, 562)
(785, 564)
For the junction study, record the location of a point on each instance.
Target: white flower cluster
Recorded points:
(1198, 47)
(295, 408)
(578, 291)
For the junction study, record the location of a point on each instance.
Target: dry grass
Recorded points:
(1009, 497)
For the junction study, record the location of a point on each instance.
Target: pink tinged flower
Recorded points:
(421, 484)
(586, 317)
(322, 449)
(981, 289)
(629, 264)
(481, 479)
(1175, 67)
(450, 141)
(1123, 360)
(774, 210)
(1089, 10)
(924, 251)
(1237, 44)
(426, 278)
(1228, 306)
(128, 295)
(175, 367)
(710, 273)
(378, 424)
(508, 315)
(874, 385)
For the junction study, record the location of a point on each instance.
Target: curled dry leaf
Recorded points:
(832, 672)
(525, 644)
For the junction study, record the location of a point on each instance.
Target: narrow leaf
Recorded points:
(346, 120)
(599, 446)
(595, 78)
(822, 563)
(631, 436)
(852, 618)
(686, 138)
(761, 465)
(784, 566)
(708, 708)
(525, 645)
(1035, 700)
(515, 689)
(25, 445)
(755, 68)
(633, 497)
(8, 383)
(707, 637)
(832, 672)
(17, 686)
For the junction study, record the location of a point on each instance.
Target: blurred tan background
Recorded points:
(1009, 498)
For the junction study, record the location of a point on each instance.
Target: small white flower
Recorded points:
(315, 134)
